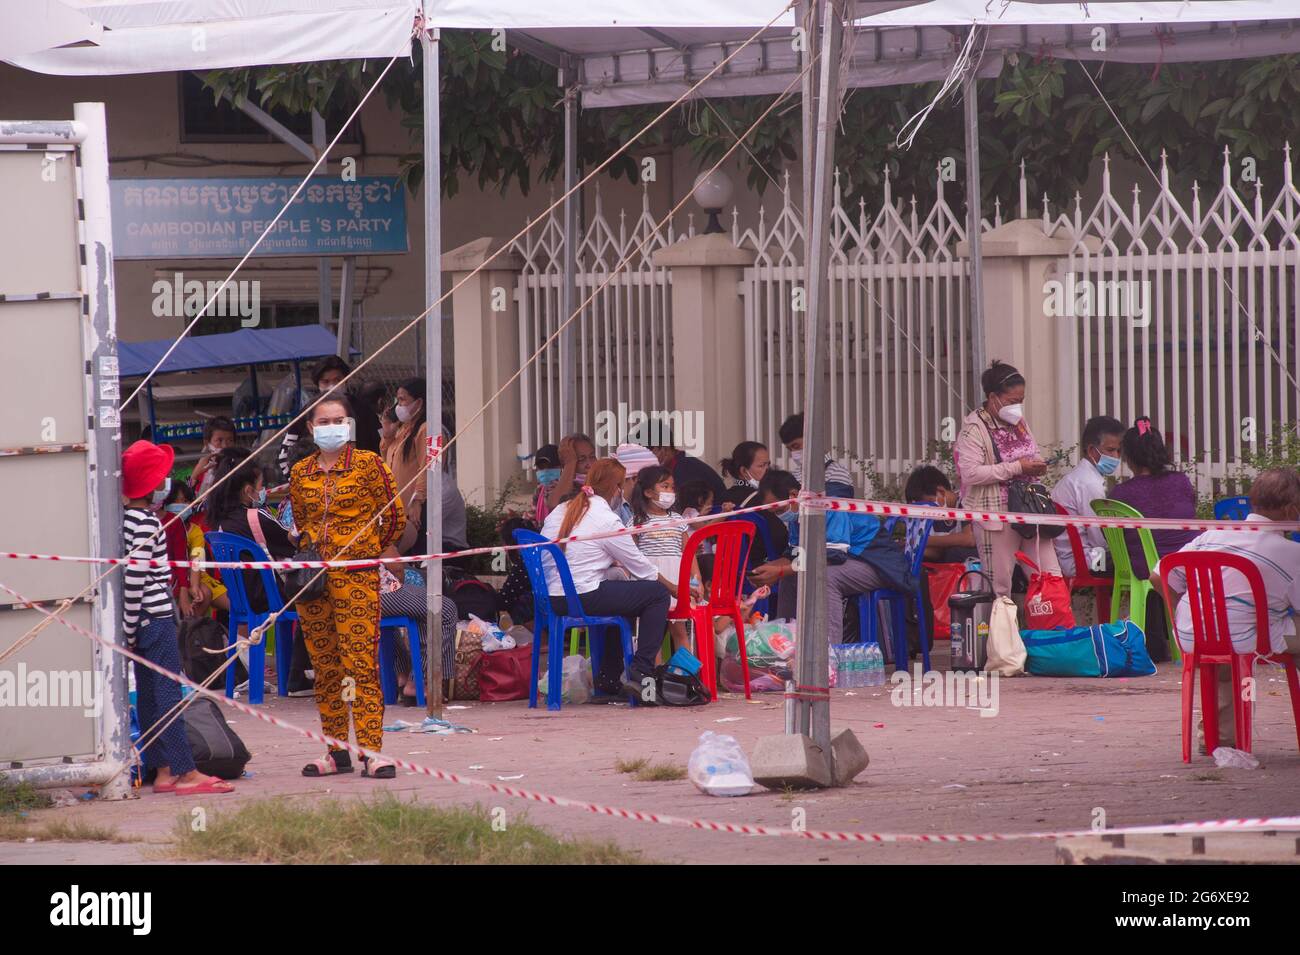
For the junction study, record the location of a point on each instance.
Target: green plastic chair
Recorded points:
(1125, 580)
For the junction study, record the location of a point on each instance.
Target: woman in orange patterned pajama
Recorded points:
(346, 504)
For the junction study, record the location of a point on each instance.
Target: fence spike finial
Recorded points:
(1024, 192)
(1286, 161)
(1227, 166)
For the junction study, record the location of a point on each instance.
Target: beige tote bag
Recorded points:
(1006, 651)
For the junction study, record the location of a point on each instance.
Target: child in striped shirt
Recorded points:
(149, 624)
(653, 498)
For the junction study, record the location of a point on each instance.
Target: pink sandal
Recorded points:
(210, 786)
(326, 766)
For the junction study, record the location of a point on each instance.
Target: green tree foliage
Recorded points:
(502, 125)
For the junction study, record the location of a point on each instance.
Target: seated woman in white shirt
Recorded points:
(643, 600)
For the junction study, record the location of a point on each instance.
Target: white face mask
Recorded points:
(666, 501)
(1012, 414)
(796, 456)
(404, 412)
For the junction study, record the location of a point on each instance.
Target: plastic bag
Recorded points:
(1225, 757)
(771, 638)
(769, 677)
(575, 680)
(718, 766)
(493, 638)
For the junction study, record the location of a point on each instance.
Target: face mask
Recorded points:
(330, 437)
(796, 456)
(1107, 465)
(750, 482)
(260, 499)
(160, 495)
(548, 476)
(1012, 414)
(180, 510)
(666, 501)
(790, 518)
(404, 412)
(580, 479)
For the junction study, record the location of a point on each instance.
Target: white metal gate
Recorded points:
(899, 369)
(1193, 318)
(623, 346)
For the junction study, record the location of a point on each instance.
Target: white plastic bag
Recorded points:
(718, 766)
(1006, 651)
(1225, 757)
(575, 680)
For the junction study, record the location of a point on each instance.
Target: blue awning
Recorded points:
(248, 346)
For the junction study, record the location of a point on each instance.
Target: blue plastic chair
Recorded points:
(765, 535)
(388, 659)
(918, 534)
(1231, 509)
(232, 547)
(550, 625)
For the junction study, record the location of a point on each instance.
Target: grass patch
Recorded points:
(644, 771)
(21, 797)
(13, 829)
(386, 831)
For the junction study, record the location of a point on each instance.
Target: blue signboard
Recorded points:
(222, 218)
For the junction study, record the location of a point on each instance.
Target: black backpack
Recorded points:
(470, 595)
(216, 749)
(679, 689)
(196, 636)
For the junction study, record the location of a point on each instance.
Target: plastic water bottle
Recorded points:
(859, 665)
(869, 664)
(878, 664)
(836, 667)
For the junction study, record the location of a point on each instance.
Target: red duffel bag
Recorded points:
(505, 674)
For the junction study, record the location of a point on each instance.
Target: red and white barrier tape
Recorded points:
(876, 508)
(1275, 823)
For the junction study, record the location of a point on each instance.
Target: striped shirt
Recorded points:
(835, 473)
(666, 539)
(146, 590)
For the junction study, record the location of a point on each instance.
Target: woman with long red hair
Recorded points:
(644, 599)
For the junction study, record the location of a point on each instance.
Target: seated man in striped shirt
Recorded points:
(149, 625)
(1274, 496)
(839, 482)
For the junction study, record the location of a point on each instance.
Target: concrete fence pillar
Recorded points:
(709, 374)
(1019, 262)
(485, 326)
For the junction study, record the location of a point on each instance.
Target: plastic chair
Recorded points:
(388, 659)
(1084, 578)
(731, 543)
(1125, 581)
(918, 535)
(1212, 644)
(232, 547)
(763, 533)
(1232, 509)
(551, 625)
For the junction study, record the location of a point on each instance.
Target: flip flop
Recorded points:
(165, 787)
(209, 787)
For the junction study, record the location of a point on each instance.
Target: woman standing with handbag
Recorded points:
(346, 506)
(994, 449)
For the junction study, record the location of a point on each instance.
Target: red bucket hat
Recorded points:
(144, 466)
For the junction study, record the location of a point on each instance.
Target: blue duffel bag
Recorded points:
(1108, 649)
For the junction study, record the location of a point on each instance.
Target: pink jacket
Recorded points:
(983, 478)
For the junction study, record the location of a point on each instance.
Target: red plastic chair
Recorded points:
(1212, 644)
(1083, 577)
(731, 542)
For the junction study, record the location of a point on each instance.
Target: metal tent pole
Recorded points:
(815, 715)
(808, 16)
(433, 367)
(325, 295)
(974, 215)
(568, 78)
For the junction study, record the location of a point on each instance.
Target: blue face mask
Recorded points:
(790, 518)
(180, 510)
(331, 437)
(160, 495)
(1107, 465)
(548, 475)
(260, 500)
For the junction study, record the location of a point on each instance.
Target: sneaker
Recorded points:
(302, 691)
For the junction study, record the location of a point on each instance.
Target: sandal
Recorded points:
(210, 786)
(165, 787)
(326, 766)
(379, 769)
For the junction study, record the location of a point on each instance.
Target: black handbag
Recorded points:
(309, 580)
(679, 689)
(1028, 497)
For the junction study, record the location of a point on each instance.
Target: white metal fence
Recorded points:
(623, 337)
(1194, 322)
(899, 370)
